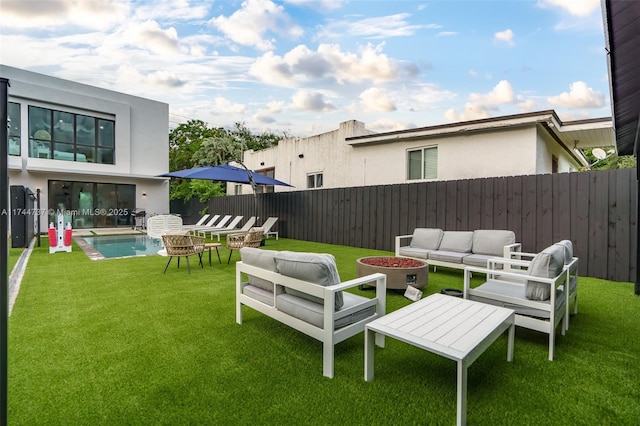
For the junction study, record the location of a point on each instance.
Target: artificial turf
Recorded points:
(116, 342)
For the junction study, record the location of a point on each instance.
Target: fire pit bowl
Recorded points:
(400, 271)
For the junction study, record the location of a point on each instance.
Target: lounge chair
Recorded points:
(209, 224)
(267, 225)
(202, 230)
(202, 220)
(232, 225)
(245, 228)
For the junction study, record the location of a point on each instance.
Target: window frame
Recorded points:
(313, 178)
(424, 166)
(54, 136)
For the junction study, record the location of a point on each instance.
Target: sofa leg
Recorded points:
(327, 360)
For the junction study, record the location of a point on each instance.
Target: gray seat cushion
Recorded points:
(264, 259)
(492, 241)
(477, 260)
(518, 291)
(311, 312)
(315, 268)
(426, 238)
(546, 264)
(447, 256)
(460, 241)
(414, 252)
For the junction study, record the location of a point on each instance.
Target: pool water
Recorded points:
(124, 245)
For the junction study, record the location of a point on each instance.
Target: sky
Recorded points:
(300, 67)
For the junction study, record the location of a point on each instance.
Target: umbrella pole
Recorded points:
(253, 188)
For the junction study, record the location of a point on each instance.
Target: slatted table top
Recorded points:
(449, 326)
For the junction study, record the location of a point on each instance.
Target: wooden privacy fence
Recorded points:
(596, 210)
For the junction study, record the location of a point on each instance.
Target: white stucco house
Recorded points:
(88, 150)
(522, 144)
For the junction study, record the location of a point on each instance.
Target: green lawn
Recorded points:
(116, 342)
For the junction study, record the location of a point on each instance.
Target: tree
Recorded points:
(184, 142)
(194, 145)
(611, 162)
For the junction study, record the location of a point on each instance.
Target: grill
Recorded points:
(138, 216)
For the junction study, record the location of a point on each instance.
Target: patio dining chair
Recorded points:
(253, 238)
(183, 245)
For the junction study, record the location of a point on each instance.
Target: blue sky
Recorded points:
(301, 67)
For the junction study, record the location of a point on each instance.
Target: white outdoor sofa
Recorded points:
(536, 291)
(304, 291)
(456, 249)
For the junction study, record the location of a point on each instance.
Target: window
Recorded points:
(13, 126)
(72, 137)
(314, 180)
(422, 163)
(263, 189)
(554, 164)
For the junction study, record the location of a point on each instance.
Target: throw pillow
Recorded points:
(546, 264)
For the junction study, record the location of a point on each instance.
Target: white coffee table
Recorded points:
(455, 328)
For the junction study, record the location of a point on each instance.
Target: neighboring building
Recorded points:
(90, 151)
(522, 144)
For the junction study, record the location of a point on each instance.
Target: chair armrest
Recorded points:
(399, 239)
(511, 248)
(506, 263)
(377, 279)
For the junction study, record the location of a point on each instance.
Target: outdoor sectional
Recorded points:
(456, 249)
(304, 291)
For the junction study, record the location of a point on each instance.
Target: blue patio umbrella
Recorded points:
(225, 173)
(228, 173)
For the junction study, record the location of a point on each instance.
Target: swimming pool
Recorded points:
(113, 246)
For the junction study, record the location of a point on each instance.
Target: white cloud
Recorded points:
(447, 33)
(172, 10)
(222, 105)
(505, 36)
(376, 99)
(319, 4)
(484, 105)
(387, 125)
(311, 101)
(46, 14)
(580, 8)
(471, 112)
(247, 25)
(328, 63)
(372, 28)
(502, 93)
(265, 115)
(149, 35)
(579, 96)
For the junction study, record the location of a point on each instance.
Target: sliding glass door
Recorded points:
(92, 205)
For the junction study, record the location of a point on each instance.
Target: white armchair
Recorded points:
(536, 292)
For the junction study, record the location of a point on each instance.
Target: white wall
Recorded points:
(142, 137)
(326, 153)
